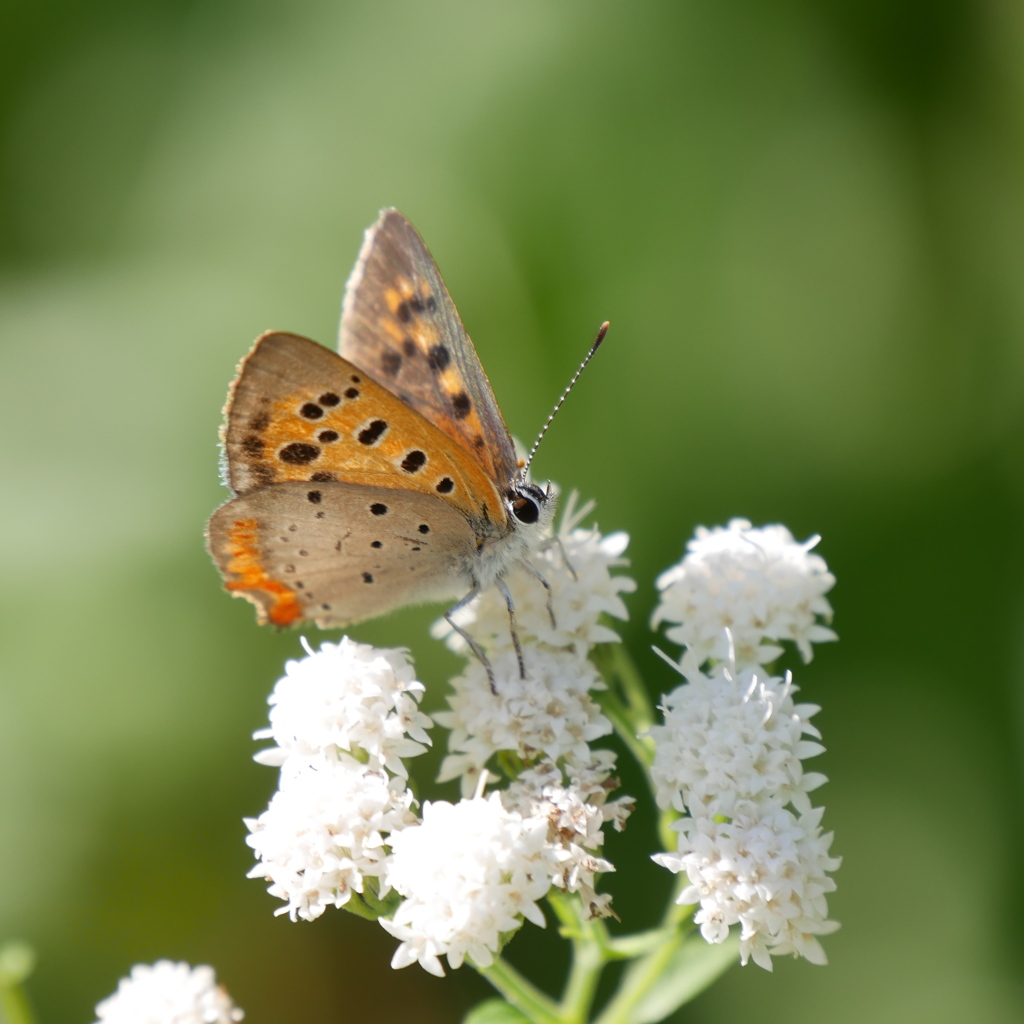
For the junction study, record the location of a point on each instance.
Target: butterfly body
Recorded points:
(377, 478)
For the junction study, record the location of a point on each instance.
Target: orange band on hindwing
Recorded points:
(243, 545)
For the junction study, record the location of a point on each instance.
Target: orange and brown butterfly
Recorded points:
(379, 477)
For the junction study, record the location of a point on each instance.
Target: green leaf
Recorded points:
(495, 1011)
(695, 965)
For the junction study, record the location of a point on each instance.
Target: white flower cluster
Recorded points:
(764, 868)
(345, 718)
(342, 719)
(576, 564)
(758, 583)
(168, 993)
(575, 816)
(474, 870)
(729, 754)
(733, 737)
(469, 872)
(550, 714)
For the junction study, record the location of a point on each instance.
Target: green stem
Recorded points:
(626, 703)
(522, 994)
(629, 947)
(587, 963)
(675, 913)
(589, 940)
(632, 719)
(651, 952)
(638, 979)
(614, 660)
(666, 833)
(619, 716)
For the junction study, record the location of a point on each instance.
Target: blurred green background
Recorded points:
(805, 220)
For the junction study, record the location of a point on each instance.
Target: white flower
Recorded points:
(351, 697)
(731, 737)
(168, 993)
(756, 582)
(470, 872)
(765, 869)
(325, 830)
(729, 757)
(575, 815)
(550, 713)
(567, 613)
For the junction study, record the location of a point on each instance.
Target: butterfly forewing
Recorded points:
(299, 412)
(372, 479)
(339, 553)
(400, 325)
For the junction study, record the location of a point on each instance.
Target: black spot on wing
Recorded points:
(252, 445)
(298, 453)
(409, 347)
(327, 436)
(414, 461)
(373, 433)
(367, 578)
(438, 358)
(444, 485)
(461, 405)
(329, 398)
(352, 393)
(311, 411)
(391, 363)
(314, 497)
(379, 509)
(322, 478)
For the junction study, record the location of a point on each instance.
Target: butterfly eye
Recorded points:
(525, 510)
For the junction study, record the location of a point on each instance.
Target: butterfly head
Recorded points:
(531, 507)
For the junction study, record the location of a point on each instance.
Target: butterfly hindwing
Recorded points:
(339, 553)
(400, 325)
(299, 412)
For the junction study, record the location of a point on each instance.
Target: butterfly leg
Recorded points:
(477, 650)
(513, 628)
(565, 558)
(535, 573)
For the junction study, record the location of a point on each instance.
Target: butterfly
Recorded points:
(380, 477)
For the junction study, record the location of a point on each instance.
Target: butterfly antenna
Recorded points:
(602, 331)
